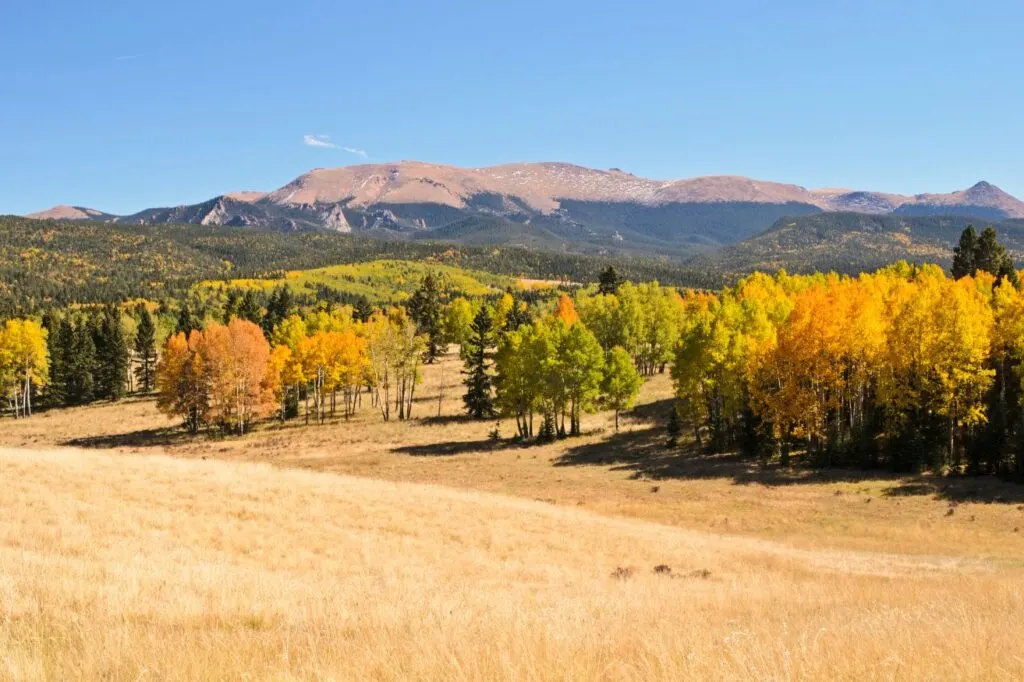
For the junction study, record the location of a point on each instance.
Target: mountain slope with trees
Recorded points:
(851, 243)
(48, 263)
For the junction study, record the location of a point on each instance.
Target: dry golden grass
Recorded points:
(127, 557)
(612, 475)
(128, 568)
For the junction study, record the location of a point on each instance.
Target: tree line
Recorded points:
(905, 368)
(321, 363)
(77, 357)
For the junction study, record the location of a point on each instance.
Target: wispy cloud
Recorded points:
(126, 57)
(318, 141)
(324, 141)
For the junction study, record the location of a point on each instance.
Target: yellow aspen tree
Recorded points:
(566, 311)
(24, 363)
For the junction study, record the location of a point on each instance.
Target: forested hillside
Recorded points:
(851, 243)
(61, 262)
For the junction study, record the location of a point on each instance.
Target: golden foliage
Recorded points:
(222, 375)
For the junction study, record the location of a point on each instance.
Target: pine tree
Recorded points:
(608, 281)
(278, 308)
(674, 427)
(232, 304)
(426, 310)
(991, 256)
(80, 363)
(187, 323)
(61, 341)
(547, 432)
(363, 310)
(984, 253)
(111, 355)
(479, 399)
(145, 350)
(250, 308)
(57, 348)
(964, 254)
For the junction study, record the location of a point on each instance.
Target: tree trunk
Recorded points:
(440, 390)
(412, 392)
(952, 441)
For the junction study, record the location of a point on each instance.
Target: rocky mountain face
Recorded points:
(554, 204)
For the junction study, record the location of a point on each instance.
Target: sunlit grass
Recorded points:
(127, 568)
(475, 559)
(387, 281)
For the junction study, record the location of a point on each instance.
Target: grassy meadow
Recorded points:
(380, 281)
(427, 550)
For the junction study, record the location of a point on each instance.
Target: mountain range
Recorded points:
(556, 206)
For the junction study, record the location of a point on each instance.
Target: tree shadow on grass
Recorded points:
(982, 489)
(453, 448)
(450, 419)
(644, 453)
(653, 412)
(160, 437)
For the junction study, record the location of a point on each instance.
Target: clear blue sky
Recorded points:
(121, 106)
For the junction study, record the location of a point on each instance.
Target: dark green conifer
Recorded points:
(608, 281)
(425, 308)
(186, 321)
(145, 350)
(112, 355)
(479, 398)
(80, 365)
(674, 426)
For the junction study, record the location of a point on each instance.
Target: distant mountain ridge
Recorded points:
(65, 212)
(559, 205)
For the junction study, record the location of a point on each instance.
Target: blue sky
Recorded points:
(122, 106)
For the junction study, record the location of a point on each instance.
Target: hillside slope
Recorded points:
(125, 567)
(44, 261)
(852, 243)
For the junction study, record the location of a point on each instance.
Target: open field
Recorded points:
(128, 568)
(602, 472)
(124, 555)
(380, 281)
